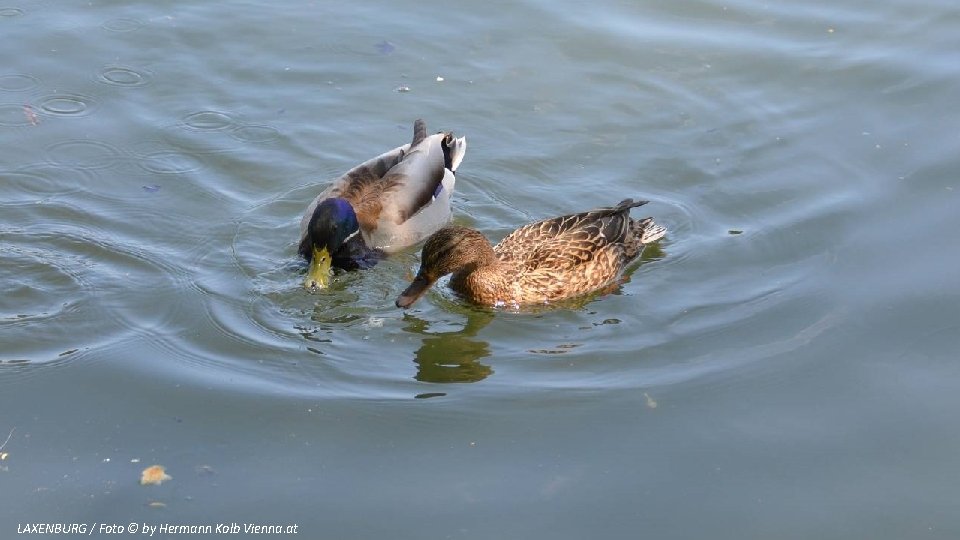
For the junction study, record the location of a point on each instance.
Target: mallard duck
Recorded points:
(382, 205)
(538, 263)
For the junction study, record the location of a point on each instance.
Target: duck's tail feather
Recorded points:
(642, 232)
(627, 204)
(419, 132)
(645, 230)
(649, 231)
(454, 148)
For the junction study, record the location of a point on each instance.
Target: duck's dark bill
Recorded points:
(413, 292)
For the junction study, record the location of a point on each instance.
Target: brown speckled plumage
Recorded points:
(538, 263)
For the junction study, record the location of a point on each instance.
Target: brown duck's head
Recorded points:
(449, 250)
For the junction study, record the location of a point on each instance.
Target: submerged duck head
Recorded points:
(451, 250)
(331, 226)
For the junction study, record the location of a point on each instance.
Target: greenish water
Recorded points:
(784, 366)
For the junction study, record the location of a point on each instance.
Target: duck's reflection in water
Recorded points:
(454, 356)
(451, 357)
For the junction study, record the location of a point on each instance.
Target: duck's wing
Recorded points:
(566, 241)
(562, 271)
(359, 186)
(415, 197)
(418, 178)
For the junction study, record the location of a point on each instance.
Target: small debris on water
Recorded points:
(428, 395)
(651, 403)
(439, 78)
(402, 88)
(735, 231)
(152, 188)
(3, 455)
(154, 475)
(31, 115)
(385, 47)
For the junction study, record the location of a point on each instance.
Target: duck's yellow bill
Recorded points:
(318, 275)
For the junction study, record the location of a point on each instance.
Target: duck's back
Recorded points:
(360, 186)
(402, 196)
(573, 237)
(571, 255)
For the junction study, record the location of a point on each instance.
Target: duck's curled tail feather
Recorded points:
(642, 232)
(649, 231)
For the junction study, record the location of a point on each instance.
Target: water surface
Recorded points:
(783, 365)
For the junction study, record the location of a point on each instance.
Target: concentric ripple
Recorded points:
(68, 105)
(47, 291)
(122, 25)
(43, 293)
(333, 325)
(124, 76)
(169, 162)
(256, 134)
(208, 121)
(18, 82)
(84, 153)
(39, 183)
(210, 138)
(15, 115)
(71, 282)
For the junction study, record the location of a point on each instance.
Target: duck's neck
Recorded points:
(355, 254)
(488, 282)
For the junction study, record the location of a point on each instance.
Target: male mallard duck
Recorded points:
(382, 205)
(538, 263)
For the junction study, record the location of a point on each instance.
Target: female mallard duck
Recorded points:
(538, 263)
(382, 205)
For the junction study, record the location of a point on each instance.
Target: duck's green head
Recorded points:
(332, 225)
